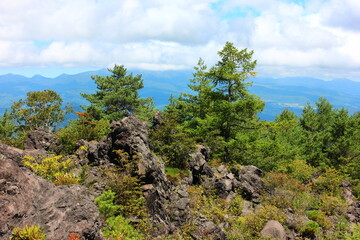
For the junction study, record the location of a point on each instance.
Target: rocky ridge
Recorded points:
(60, 210)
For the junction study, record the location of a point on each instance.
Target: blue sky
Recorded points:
(318, 38)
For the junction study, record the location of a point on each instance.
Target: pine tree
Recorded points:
(117, 96)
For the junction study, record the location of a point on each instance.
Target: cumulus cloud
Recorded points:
(316, 37)
(343, 14)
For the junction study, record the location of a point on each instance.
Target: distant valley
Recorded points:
(278, 93)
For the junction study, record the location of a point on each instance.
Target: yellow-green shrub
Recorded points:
(53, 168)
(332, 205)
(33, 232)
(208, 204)
(300, 170)
(284, 181)
(254, 222)
(329, 182)
(355, 232)
(236, 205)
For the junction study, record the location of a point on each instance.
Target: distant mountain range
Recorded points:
(278, 93)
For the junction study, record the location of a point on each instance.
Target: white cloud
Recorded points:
(319, 37)
(343, 14)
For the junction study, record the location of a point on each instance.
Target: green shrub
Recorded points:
(207, 204)
(82, 128)
(302, 201)
(106, 204)
(320, 218)
(275, 180)
(33, 232)
(172, 143)
(117, 226)
(120, 228)
(176, 174)
(236, 205)
(124, 181)
(310, 230)
(300, 170)
(280, 198)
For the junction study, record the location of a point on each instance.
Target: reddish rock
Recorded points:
(26, 199)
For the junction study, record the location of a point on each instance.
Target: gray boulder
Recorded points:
(274, 230)
(250, 183)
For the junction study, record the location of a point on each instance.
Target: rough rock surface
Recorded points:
(158, 120)
(247, 180)
(11, 153)
(26, 199)
(353, 211)
(168, 204)
(273, 229)
(250, 183)
(40, 139)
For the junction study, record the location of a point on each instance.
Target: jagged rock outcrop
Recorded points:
(26, 199)
(65, 209)
(246, 180)
(11, 153)
(158, 120)
(40, 139)
(353, 210)
(168, 204)
(250, 183)
(274, 230)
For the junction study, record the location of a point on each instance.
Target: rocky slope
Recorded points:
(27, 199)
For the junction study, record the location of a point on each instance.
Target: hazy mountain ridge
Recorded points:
(278, 93)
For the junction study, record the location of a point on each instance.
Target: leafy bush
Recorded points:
(33, 232)
(281, 198)
(310, 230)
(236, 205)
(53, 168)
(120, 228)
(300, 170)
(275, 180)
(124, 181)
(82, 128)
(176, 174)
(320, 218)
(302, 201)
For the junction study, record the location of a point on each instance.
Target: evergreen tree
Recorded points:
(117, 96)
(220, 105)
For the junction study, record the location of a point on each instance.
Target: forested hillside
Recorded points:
(205, 166)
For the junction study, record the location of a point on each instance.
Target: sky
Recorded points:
(317, 38)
